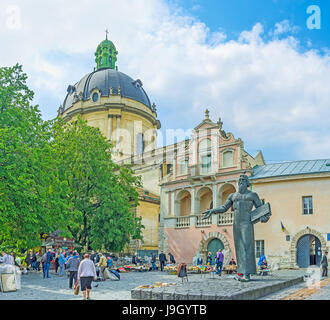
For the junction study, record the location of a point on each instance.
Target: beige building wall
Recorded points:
(149, 211)
(285, 196)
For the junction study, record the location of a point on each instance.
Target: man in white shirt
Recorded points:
(5, 258)
(86, 274)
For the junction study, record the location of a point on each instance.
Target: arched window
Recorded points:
(139, 143)
(110, 60)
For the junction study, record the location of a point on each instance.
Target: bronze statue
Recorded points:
(243, 202)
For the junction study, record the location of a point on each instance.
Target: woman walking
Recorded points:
(86, 274)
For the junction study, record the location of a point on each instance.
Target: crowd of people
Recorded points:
(83, 269)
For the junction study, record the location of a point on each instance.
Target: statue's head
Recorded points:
(243, 183)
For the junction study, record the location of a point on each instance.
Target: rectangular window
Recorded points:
(183, 166)
(307, 205)
(260, 248)
(206, 163)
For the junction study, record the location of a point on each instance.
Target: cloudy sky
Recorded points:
(257, 64)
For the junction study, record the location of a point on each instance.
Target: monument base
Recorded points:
(223, 287)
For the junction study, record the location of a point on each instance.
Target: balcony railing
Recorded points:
(182, 222)
(203, 223)
(196, 220)
(225, 219)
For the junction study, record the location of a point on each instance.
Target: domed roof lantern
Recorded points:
(106, 54)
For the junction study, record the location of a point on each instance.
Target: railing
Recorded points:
(203, 223)
(225, 219)
(196, 220)
(182, 222)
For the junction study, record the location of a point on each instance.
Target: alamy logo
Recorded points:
(314, 20)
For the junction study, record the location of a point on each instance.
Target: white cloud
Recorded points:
(282, 28)
(265, 90)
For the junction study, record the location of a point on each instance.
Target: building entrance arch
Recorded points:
(309, 251)
(213, 247)
(306, 248)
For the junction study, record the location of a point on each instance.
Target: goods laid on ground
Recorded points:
(133, 267)
(172, 269)
(207, 268)
(158, 285)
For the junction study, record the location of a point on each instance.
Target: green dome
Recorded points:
(106, 55)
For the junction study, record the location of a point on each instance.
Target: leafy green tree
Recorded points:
(31, 195)
(102, 194)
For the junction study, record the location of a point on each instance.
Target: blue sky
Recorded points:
(234, 16)
(253, 63)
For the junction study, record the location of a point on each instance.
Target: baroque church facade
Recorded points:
(182, 180)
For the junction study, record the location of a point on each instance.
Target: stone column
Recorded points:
(174, 167)
(215, 196)
(110, 117)
(173, 213)
(118, 116)
(192, 205)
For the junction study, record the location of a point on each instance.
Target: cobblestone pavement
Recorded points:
(317, 290)
(34, 287)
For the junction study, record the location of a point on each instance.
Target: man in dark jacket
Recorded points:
(72, 265)
(134, 259)
(162, 260)
(324, 264)
(92, 256)
(153, 261)
(28, 260)
(172, 260)
(47, 258)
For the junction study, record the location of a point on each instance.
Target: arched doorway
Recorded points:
(213, 247)
(309, 251)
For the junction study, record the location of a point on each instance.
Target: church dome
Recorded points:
(108, 81)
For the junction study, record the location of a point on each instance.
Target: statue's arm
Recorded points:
(257, 202)
(221, 209)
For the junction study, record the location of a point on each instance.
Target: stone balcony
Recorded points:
(195, 220)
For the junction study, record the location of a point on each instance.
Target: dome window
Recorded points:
(139, 143)
(95, 97)
(110, 60)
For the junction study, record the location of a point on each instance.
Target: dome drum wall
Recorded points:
(124, 127)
